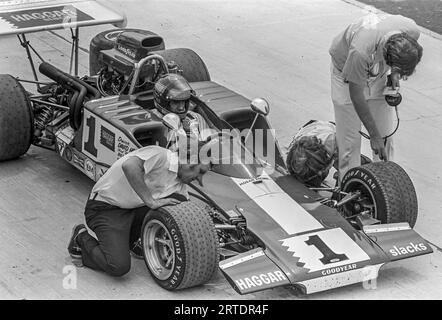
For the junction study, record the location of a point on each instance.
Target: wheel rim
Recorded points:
(158, 249)
(369, 201)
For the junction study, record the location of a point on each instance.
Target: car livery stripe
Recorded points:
(241, 260)
(387, 228)
(285, 211)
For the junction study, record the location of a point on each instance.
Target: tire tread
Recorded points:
(200, 242)
(396, 190)
(15, 119)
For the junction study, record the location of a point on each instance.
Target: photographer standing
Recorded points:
(363, 55)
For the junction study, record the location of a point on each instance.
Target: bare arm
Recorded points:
(134, 171)
(360, 104)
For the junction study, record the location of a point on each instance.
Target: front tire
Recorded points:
(387, 187)
(180, 245)
(16, 119)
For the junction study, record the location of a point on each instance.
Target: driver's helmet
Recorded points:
(169, 88)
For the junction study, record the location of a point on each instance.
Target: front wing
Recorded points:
(260, 269)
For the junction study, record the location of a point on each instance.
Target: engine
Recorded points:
(117, 64)
(70, 93)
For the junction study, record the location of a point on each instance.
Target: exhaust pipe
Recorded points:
(71, 83)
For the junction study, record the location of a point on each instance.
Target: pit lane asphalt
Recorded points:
(274, 49)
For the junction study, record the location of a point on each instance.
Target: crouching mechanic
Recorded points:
(172, 93)
(312, 152)
(150, 177)
(362, 57)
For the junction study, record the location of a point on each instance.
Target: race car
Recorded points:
(252, 220)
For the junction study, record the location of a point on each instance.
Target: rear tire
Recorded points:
(16, 119)
(185, 235)
(104, 41)
(192, 66)
(390, 189)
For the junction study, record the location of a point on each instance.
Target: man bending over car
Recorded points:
(362, 57)
(147, 178)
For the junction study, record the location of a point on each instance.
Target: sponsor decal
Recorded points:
(60, 147)
(408, 249)
(347, 267)
(65, 134)
(325, 250)
(68, 154)
(259, 184)
(138, 118)
(100, 171)
(127, 51)
(260, 280)
(367, 275)
(364, 177)
(89, 167)
(179, 258)
(107, 138)
(254, 180)
(123, 147)
(112, 36)
(78, 159)
(44, 16)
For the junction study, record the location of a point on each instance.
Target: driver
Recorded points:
(172, 93)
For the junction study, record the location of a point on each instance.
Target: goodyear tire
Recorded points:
(16, 120)
(389, 189)
(180, 245)
(104, 41)
(192, 66)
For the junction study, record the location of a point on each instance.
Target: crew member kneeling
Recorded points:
(150, 177)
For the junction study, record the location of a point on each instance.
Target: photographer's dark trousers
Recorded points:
(115, 229)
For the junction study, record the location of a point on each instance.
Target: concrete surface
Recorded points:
(274, 49)
(427, 13)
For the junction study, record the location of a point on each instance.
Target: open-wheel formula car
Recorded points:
(256, 223)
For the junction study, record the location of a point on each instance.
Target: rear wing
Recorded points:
(25, 16)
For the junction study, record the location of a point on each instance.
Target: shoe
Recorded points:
(73, 246)
(136, 249)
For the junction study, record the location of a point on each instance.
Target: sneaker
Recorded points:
(136, 249)
(73, 247)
